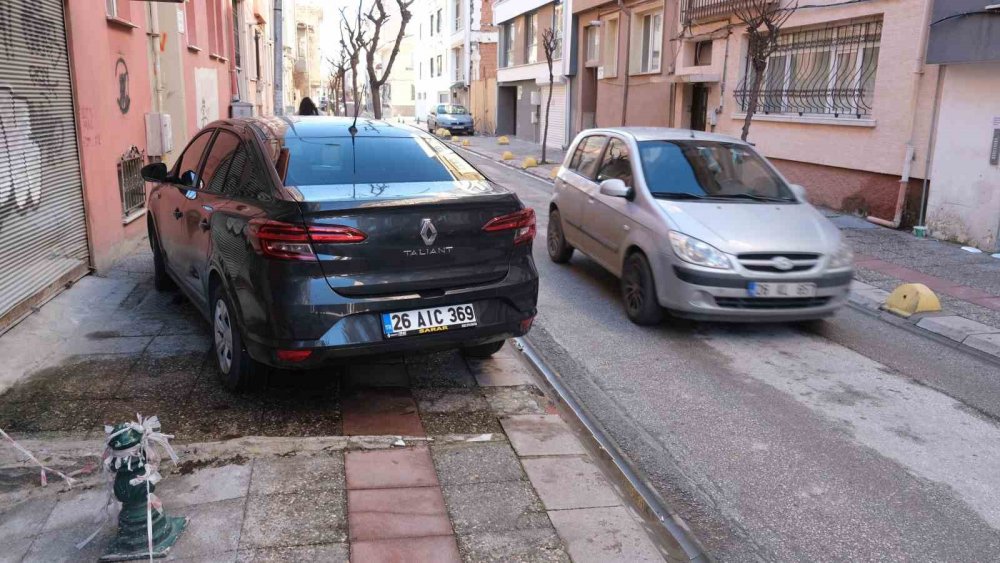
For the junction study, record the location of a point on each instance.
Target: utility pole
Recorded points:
(279, 59)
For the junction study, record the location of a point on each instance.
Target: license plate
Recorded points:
(769, 289)
(427, 321)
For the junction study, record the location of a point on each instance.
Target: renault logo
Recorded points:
(428, 232)
(782, 263)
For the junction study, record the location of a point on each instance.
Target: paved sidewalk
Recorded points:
(489, 147)
(415, 457)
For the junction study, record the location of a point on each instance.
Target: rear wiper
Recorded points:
(677, 195)
(751, 196)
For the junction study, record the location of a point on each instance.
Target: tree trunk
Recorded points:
(343, 94)
(759, 66)
(548, 111)
(376, 89)
(628, 48)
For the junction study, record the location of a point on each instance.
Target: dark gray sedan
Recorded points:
(305, 239)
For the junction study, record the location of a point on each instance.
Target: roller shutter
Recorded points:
(557, 122)
(43, 234)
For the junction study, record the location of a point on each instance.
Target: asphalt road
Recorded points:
(854, 440)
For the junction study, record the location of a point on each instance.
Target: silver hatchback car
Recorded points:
(697, 224)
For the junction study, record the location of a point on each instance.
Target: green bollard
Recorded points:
(132, 541)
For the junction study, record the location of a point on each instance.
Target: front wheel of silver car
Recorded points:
(559, 250)
(639, 291)
(237, 370)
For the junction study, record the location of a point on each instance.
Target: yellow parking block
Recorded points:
(529, 162)
(503, 140)
(507, 155)
(466, 143)
(910, 299)
(554, 172)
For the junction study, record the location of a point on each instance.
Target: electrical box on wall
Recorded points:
(536, 99)
(534, 117)
(600, 73)
(241, 109)
(159, 134)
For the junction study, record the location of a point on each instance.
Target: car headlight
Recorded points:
(843, 257)
(697, 252)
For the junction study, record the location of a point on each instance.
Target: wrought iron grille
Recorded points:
(130, 182)
(700, 10)
(828, 71)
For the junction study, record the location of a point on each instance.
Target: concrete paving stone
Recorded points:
(476, 462)
(212, 528)
(59, 546)
(500, 371)
(51, 415)
(966, 293)
(298, 474)
(546, 434)
(494, 507)
(988, 302)
(989, 343)
(869, 299)
(112, 345)
(522, 399)
(314, 517)
(179, 344)
(955, 327)
(331, 552)
(365, 374)
(437, 549)
(861, 286)
(76, 377)
(396, 468)
(375, 514)
(444, 369)
(113, 327)
(542, 545)
(25, 519)
(569, 482)
(970, 311)
(206, 484)
(382, 411)
(603, 535)
(77, 507)
(15, 549)
(438, 400)
(478, 422)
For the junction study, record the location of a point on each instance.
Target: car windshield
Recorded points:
(324, 161)
(714, 170)
(452, 110)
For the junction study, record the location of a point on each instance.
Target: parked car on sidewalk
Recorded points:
(698, 224)
(454, 118)
(304, 239)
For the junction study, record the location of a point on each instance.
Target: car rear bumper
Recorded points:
(702, 295)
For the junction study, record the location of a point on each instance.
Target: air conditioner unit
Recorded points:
(536, 99)
(600, 73)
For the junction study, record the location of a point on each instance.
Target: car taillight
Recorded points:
(288, 241)
(523, 222)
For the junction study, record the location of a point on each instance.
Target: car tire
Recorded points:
(559, 250)
(161, 279)
(639, 291)
(237, 370)
(482, 351)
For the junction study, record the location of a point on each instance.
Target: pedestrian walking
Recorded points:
(307, 107)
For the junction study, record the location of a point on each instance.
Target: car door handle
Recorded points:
(204, 224)
(178, 214)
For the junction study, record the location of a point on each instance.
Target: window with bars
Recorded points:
(829, 71)
(131, 186)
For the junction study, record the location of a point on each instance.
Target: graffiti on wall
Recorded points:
(206, 91)
(121, 76)
(20, 156)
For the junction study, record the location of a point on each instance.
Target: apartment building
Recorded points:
(308, 78)
(522, 71)
(399, 94)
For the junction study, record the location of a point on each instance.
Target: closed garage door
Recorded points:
(557, 122)
(43, 235)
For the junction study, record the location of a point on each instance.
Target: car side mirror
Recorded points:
(616, 188)
(155, 172)
(189, 180)
(799, 192)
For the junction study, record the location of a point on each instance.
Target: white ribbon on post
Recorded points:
(31, 457)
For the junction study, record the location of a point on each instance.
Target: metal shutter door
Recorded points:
(557, 123)
(43, 233)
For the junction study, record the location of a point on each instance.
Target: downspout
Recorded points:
(279, 55)
(931, 143)
(154, 46)
(918, 73)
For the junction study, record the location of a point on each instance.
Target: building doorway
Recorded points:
(506, 110)
(699, 107)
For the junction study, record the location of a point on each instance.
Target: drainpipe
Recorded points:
(154, 46)
(279, 55)
(931, 142)
(918, 73)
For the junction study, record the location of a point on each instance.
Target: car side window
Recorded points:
(616, 163)
(188, 163)
(247, 177)
(219, 160)
(440, 109)
(587, 156)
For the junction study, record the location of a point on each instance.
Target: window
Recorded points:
(828, 71)
(439, 20)
(237, 57)
(557, 27)
(191, 159)
(431, 67)
(508, 35)
(413, 92)
(440, 66)
(218, 160)
(593, 46)
(648, 35)
(191, 25)
(420, 71)
(130, 183)
(616, 163)
(456, 57)
(458, 15)
(531, 38)
(213, 32)
(587, 155)
(432, 25)
(703, 53)
(610, 60)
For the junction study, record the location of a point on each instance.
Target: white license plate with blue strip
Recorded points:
(427, 321)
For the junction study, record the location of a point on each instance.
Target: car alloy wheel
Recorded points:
(639, 291)
(555, 241)
(223, 327)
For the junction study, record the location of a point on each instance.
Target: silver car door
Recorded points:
(578, 183)
(607, 218)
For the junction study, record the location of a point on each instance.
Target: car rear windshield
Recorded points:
(698, 169)
(323, 161)
(452, 110)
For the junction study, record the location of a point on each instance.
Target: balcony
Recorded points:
(700, 11)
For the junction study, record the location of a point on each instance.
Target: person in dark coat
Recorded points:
(307, 107)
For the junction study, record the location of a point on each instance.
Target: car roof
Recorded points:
(664, 134)
(281, 127)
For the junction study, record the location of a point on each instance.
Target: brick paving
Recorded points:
(310, 469)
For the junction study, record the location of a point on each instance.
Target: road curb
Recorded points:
(638, 488)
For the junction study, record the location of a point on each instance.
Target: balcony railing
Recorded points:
(707, 10)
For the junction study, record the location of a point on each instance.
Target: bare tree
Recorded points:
(550, 44)
(763, 20)
(378, 17)
(338, 81)
(352, 42)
